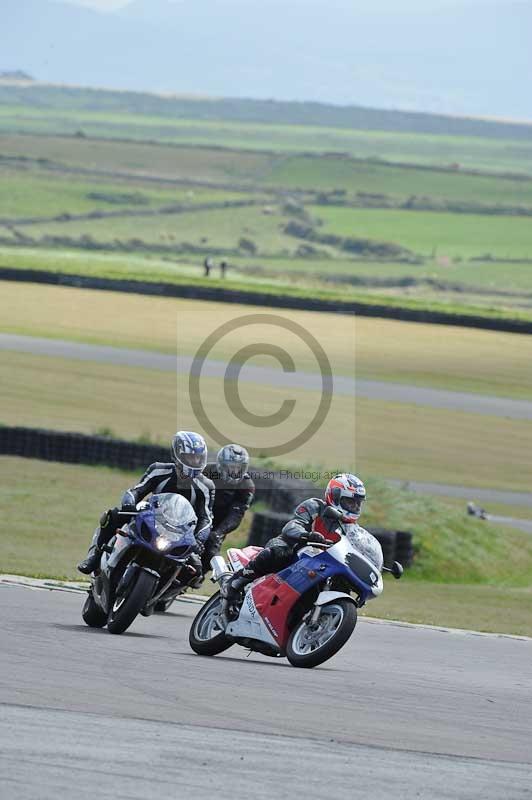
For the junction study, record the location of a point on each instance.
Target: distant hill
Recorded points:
(469, 58)
(265, 111)
(15, 75)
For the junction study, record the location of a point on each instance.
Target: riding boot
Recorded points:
(89, 564)
(101, 536)
(232, 588)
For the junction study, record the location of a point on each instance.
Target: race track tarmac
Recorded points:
(400, 712)
(373, 390)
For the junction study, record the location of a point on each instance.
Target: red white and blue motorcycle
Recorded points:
(307, 611)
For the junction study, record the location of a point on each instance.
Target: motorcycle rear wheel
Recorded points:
(126, 608)
(204, 638)
(308, 648)
(92, 614)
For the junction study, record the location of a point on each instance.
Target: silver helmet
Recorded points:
(189, 454)
(232, 462)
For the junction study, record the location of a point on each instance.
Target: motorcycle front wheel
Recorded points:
(127, 606)
(310, 645)
(205, 638)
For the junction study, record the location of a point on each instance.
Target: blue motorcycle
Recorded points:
(150, 559)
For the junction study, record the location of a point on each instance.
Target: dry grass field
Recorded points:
(446, 357)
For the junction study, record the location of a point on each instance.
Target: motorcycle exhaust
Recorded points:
(219, 568)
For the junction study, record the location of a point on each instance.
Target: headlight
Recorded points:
(163, 542)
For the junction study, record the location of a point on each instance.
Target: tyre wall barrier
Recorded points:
(396, 545)
(222, 295)
(79, 448)
(280, 494)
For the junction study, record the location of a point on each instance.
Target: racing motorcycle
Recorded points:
(150, 560)
(307, 611)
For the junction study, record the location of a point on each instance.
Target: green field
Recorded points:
(428, 234)
(220, 229)
(466, 574)
(39, 193)
(374, 178)
(473, 151)
(267, 169)
(134, 179)
(434, 234)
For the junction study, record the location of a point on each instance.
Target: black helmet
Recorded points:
(232, 462)
(189, 454)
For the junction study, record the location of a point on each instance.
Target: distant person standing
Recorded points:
(223, 268)
(207, 266)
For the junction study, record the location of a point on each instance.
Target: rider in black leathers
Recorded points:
(181, 476)
(235, 492)
(344, 494)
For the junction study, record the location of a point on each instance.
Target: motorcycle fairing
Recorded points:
(334, 562)
(274, 599)
(143, 530)
(240, 557)
(108, 562)
(249, 623)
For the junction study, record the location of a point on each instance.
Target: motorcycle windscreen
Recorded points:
(367, 545)
(174, 519)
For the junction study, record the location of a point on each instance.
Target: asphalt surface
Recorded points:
(374, 390)
(400, 712)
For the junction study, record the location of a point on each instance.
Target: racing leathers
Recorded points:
(231, 501)
(308, 524)
(159, 477)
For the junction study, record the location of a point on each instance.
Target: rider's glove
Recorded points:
(200, 547)
(316, 537)
(128, 507)
(109, 518)
(217, 538)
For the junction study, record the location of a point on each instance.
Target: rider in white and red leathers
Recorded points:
(345, 493)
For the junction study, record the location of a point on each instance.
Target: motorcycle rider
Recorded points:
(235, 492)
(345, 494)
(183, 475)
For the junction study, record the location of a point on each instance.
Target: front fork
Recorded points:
(316, 611)
(166, 586)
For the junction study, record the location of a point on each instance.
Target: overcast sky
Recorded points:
(102, 5)
(110, 5)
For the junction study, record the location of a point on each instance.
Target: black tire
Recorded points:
(332, 645)
(120, 618)
(213, 645)
(93, 616)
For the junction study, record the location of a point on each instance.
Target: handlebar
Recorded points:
(324, 545)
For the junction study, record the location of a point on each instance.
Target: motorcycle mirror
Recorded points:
(397, 570)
